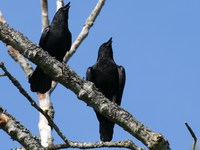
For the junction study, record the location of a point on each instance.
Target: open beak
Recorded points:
(67, 6)
(109, 42)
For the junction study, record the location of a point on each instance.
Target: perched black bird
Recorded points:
(56, 40)
(109, 78)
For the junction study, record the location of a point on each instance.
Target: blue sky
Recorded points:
(156, 41)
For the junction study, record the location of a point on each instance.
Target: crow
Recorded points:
(109, 78)
(56, 39)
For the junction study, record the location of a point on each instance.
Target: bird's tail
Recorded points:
(105, 128)
(40, 82)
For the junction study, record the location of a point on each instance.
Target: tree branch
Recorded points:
(2, 75)
(18, 132)
(85, 90)
(25, 65)
(44, 99)
(85, 31)
(45, 18)
(59, 3)
(47, 114)
(192, 134)
(83, 145)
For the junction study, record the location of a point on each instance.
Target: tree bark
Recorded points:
(44, 10)
(18, 132)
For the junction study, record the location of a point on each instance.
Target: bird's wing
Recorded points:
(89, 74)
(122, 80)
(44, 36)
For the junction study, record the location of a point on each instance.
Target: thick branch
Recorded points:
(83, 89)
(18, 132)
(83, 145)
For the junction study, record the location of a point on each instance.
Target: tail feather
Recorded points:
(39, 81)
(105, 128)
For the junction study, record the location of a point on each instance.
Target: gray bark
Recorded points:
(18, 132)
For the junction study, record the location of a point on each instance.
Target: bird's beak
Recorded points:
(67, 6)
(109, 42)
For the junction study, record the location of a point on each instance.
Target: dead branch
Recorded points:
(18, 132)
(47, 114)
(59, 3)
(84, 145)
(45, 17)
(25, 65)
(192, 134)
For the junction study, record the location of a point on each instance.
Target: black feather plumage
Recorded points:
(56, 39)
(109, 78)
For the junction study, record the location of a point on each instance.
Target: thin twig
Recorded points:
(2, 75)
(192, 134)
(33, 103)
(89, 145)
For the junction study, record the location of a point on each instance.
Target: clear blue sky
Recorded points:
(158, 43)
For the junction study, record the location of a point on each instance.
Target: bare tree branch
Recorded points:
(45, 18)
(84, 145)
(44, 99)
(85, 90)
(59, 3)
(2, 75)
(48, 115)
(85, 31)
(18, 132)
(192, 134)
(1, 18)
(25, 65)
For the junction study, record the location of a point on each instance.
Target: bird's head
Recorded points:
(105, 50)
(61, 16)
(64, 10)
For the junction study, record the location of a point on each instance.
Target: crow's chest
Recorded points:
(58, 44)
(106, 77)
